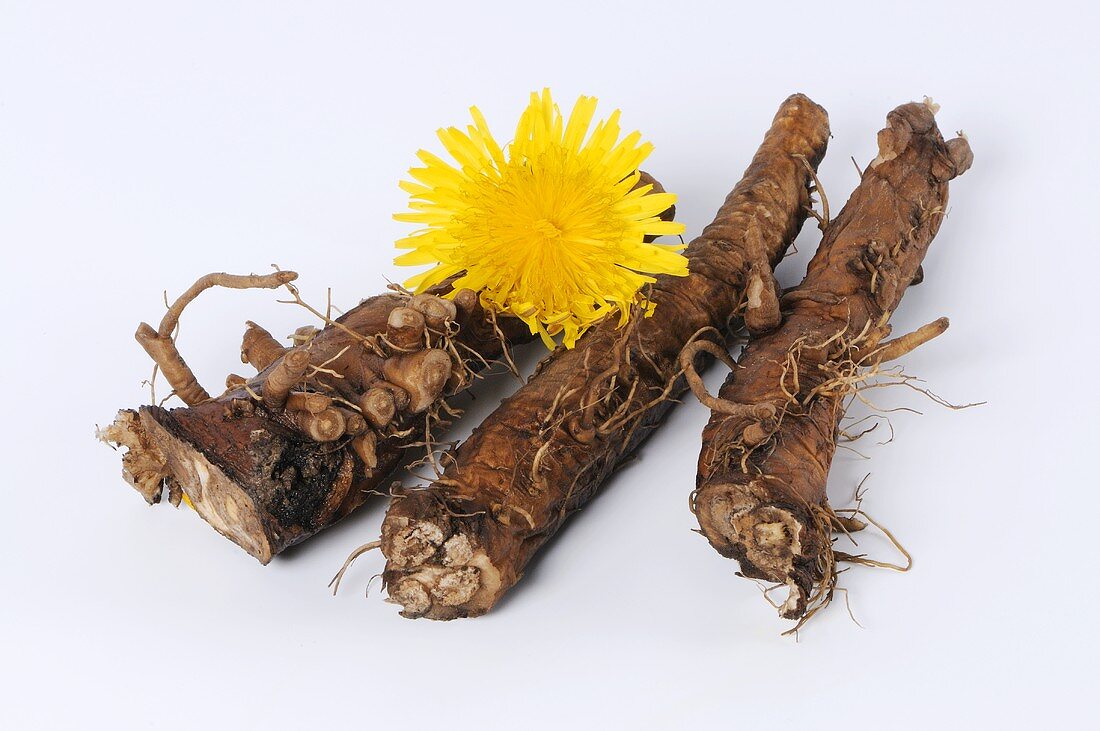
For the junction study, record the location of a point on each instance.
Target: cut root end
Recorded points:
(770, 540)
(435, 570)
(788, 545)
(156, 458)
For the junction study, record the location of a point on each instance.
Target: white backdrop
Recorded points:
(144, 144)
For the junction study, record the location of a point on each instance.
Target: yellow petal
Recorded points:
(547, 228)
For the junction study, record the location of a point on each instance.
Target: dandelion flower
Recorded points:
(549, 228)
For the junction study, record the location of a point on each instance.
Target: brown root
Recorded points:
(230, 281)
(161, 346)
(896, 348)
(162, 349)
(327, 425)
(355, 424)
(467, 302)
(378, 406)
(454, 548)
(761, 490)
(761, 302)
(143, 466)
(421, 375)
(312, 402)
(772, 540)
(287, 453)
(365, 446)
(259, 348)
(286, 374)
(405, 329)
(695, 382)
(823, 217)
(304, 335)
(437, 311)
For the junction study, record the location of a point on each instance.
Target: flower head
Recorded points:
(549, 228)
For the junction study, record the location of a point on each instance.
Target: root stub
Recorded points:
(405, 328)
(422, 375)
(378, 406)
(259, 348)
(285, 375)
(454, 548)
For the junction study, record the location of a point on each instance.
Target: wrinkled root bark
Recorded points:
(454, 548)
(760, 496)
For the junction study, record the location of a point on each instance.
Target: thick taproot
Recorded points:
(761, 482)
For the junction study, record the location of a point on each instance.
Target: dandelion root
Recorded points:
(760, 496)
(286, 453)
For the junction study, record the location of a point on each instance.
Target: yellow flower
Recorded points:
(548, 229)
